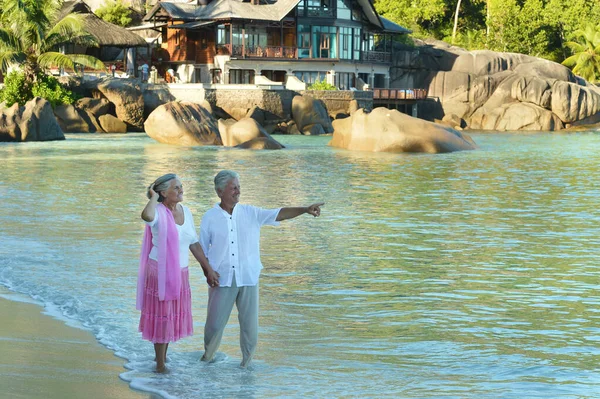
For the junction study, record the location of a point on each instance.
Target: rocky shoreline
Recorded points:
(480, 90)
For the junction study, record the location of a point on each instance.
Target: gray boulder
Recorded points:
(183, 123)
(111, 124)
(308, 111)
(235, 133)
(127, 97)
(33, 122)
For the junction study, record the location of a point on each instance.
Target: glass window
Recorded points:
(346, 43)
(310, 77)
(241, 76)
(304, 41)
(223, 34)
(356, 46)
(343, 12)
(324, 39)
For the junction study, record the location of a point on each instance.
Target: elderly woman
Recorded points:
(163, 291)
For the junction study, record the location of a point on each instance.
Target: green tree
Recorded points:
(30, 33)
(115, 12)
(585, 46)
(419, 15)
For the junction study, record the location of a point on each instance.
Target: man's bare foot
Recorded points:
(162, 369)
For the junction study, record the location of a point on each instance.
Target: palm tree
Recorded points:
(30, 33)
(585, 60)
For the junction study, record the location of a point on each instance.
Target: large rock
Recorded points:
(96, 106)
(392, 131)
(261, 143)
(183, 123)
(515, 116)
(308, 111)
(483, 87)
(128, 99)
(33, 122)
(111, 124)
(155, 96)
(74, 120)
(572, 102)
(235, 133)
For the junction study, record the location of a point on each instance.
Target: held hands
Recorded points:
(212, 278)
(315, 209)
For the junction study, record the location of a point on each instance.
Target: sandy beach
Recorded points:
(44, 358)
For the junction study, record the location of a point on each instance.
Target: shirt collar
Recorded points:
(225, 212)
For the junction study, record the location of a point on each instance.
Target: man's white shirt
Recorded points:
(232, 242)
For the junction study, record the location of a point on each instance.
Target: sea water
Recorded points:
(464, 275)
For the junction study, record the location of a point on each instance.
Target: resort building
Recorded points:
(275, 42)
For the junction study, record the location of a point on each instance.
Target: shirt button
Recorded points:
(232, 242)
(232, 254)
(233, 267)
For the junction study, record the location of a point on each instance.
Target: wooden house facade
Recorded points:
(236, 41)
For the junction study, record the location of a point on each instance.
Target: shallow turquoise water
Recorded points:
(464, 275)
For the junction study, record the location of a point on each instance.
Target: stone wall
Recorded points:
(236, 100)
(339, 100)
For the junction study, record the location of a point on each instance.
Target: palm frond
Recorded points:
(53, 59)
(87, 60)
(9, 40)
(8, 58)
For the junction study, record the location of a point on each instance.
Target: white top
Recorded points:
(232, 242)
(187, 237)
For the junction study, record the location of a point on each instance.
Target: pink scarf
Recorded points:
(169, 272)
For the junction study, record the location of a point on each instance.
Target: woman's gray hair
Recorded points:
(161, 184)
(223, 177)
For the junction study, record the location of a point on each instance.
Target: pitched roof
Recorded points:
(273, 10)
(267, 10)
(390, 26)
(106, 34)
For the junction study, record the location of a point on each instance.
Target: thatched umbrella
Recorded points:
(106, 34)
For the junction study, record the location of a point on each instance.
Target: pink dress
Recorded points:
(163, 292)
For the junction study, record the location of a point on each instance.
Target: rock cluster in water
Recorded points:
(497, 91)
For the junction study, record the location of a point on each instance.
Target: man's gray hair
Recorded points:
(223, 177)
(161, 184)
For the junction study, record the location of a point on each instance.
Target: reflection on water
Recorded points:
(464, 275)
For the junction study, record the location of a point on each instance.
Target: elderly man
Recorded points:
(230, 235)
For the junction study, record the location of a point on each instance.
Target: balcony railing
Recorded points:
(377, 56)
(264, 52)
(399, 94)
(244, 51)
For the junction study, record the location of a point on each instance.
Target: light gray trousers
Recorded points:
(220, 305)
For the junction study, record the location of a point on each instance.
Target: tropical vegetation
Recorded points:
(322, 85)
(115, 12)
(542, 28)
(31, 35)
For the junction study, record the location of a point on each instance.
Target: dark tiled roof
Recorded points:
(390, 26)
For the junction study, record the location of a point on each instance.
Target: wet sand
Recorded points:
(44, 358)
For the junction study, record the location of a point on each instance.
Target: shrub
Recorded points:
(18, 90)
(321, 85)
